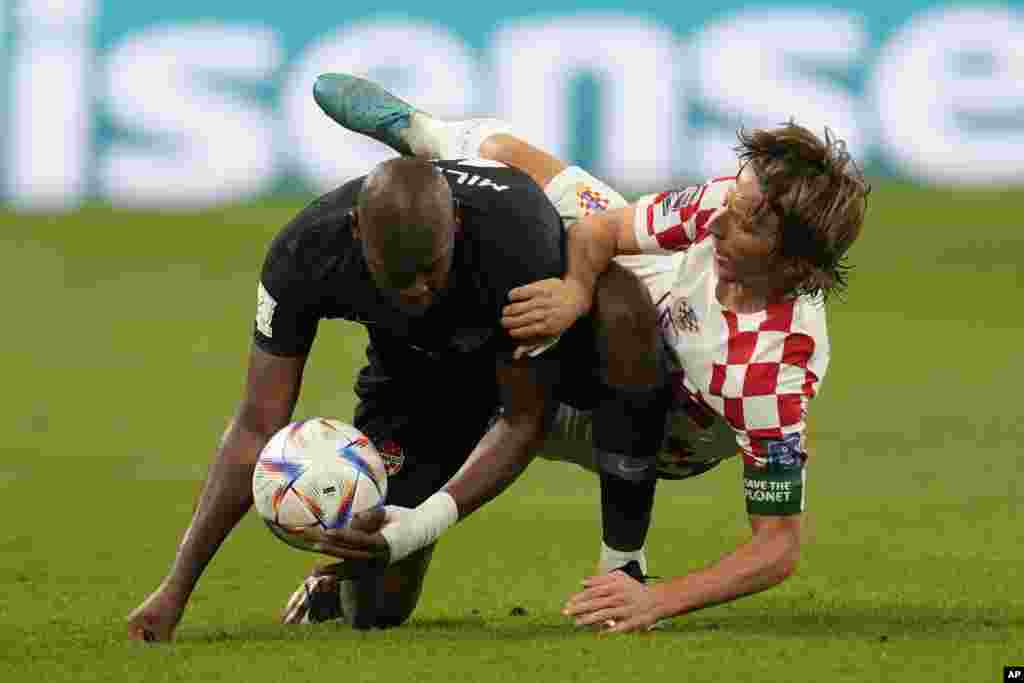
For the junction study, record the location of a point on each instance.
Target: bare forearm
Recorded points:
(226, 497)
(497, 461)
(592, 246)
(763, 562)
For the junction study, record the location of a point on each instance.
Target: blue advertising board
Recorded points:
(203, 102)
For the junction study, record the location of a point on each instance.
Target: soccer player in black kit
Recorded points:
(423, 254)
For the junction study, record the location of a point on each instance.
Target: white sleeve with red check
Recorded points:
(673, 221)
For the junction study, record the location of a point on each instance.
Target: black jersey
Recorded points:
(510, 235)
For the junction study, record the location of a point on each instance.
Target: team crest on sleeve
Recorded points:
(590, 200)
(265, 305)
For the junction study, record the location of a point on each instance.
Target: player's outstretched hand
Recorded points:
(617, 603)
(157, 617)
(361, 540)
(545, 308)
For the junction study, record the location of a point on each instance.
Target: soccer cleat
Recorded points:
(317, 600)
(364, 107)
(632, 570)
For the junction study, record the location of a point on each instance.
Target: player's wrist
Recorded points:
(177, 589)
(581, 295)
(666, 603)
(421, 526)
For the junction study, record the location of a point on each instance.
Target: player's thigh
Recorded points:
(626, 330)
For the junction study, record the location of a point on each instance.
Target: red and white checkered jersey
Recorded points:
(755, 371)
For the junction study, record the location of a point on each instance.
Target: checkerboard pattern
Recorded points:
(765, 382)
(674, 221)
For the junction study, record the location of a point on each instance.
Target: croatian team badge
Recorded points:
(683, 316)
(590, 200)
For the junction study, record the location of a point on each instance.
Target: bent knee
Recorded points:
(391, 620)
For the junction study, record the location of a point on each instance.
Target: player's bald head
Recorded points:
(405, 212)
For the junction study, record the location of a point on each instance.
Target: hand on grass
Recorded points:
(618, 603)
(157, 617)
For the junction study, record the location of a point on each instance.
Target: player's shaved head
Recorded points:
(405, 214)
(406, 220)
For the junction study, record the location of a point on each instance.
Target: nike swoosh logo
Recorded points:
(632, 469)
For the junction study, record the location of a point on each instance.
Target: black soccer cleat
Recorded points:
(317, 600)
(632, 570)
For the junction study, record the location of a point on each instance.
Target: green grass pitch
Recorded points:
(124, 341)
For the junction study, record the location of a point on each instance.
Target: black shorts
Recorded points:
(426, 415)
(427, 420)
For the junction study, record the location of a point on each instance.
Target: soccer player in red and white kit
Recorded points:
(756, 253)
(739, 268)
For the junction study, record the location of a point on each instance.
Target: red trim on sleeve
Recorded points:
(770, 433)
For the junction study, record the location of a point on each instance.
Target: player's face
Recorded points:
(415, 284)
(745, 237)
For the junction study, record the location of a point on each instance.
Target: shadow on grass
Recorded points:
(882, 623)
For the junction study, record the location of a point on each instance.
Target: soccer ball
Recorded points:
(318, 473)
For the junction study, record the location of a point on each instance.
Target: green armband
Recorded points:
(773, 492)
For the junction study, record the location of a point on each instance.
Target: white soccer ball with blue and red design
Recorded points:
(317, 473)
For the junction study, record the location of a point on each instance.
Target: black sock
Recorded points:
(629, 427)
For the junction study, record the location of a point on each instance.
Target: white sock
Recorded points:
(436, 139)
(613, 559)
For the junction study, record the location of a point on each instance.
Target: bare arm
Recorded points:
(595, 240)
(272, 387)
(497, 460)
(549, 307)
(766, 560)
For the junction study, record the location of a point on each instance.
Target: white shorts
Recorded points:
(576, 194)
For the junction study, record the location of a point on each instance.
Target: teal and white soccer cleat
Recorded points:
(364, 107)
